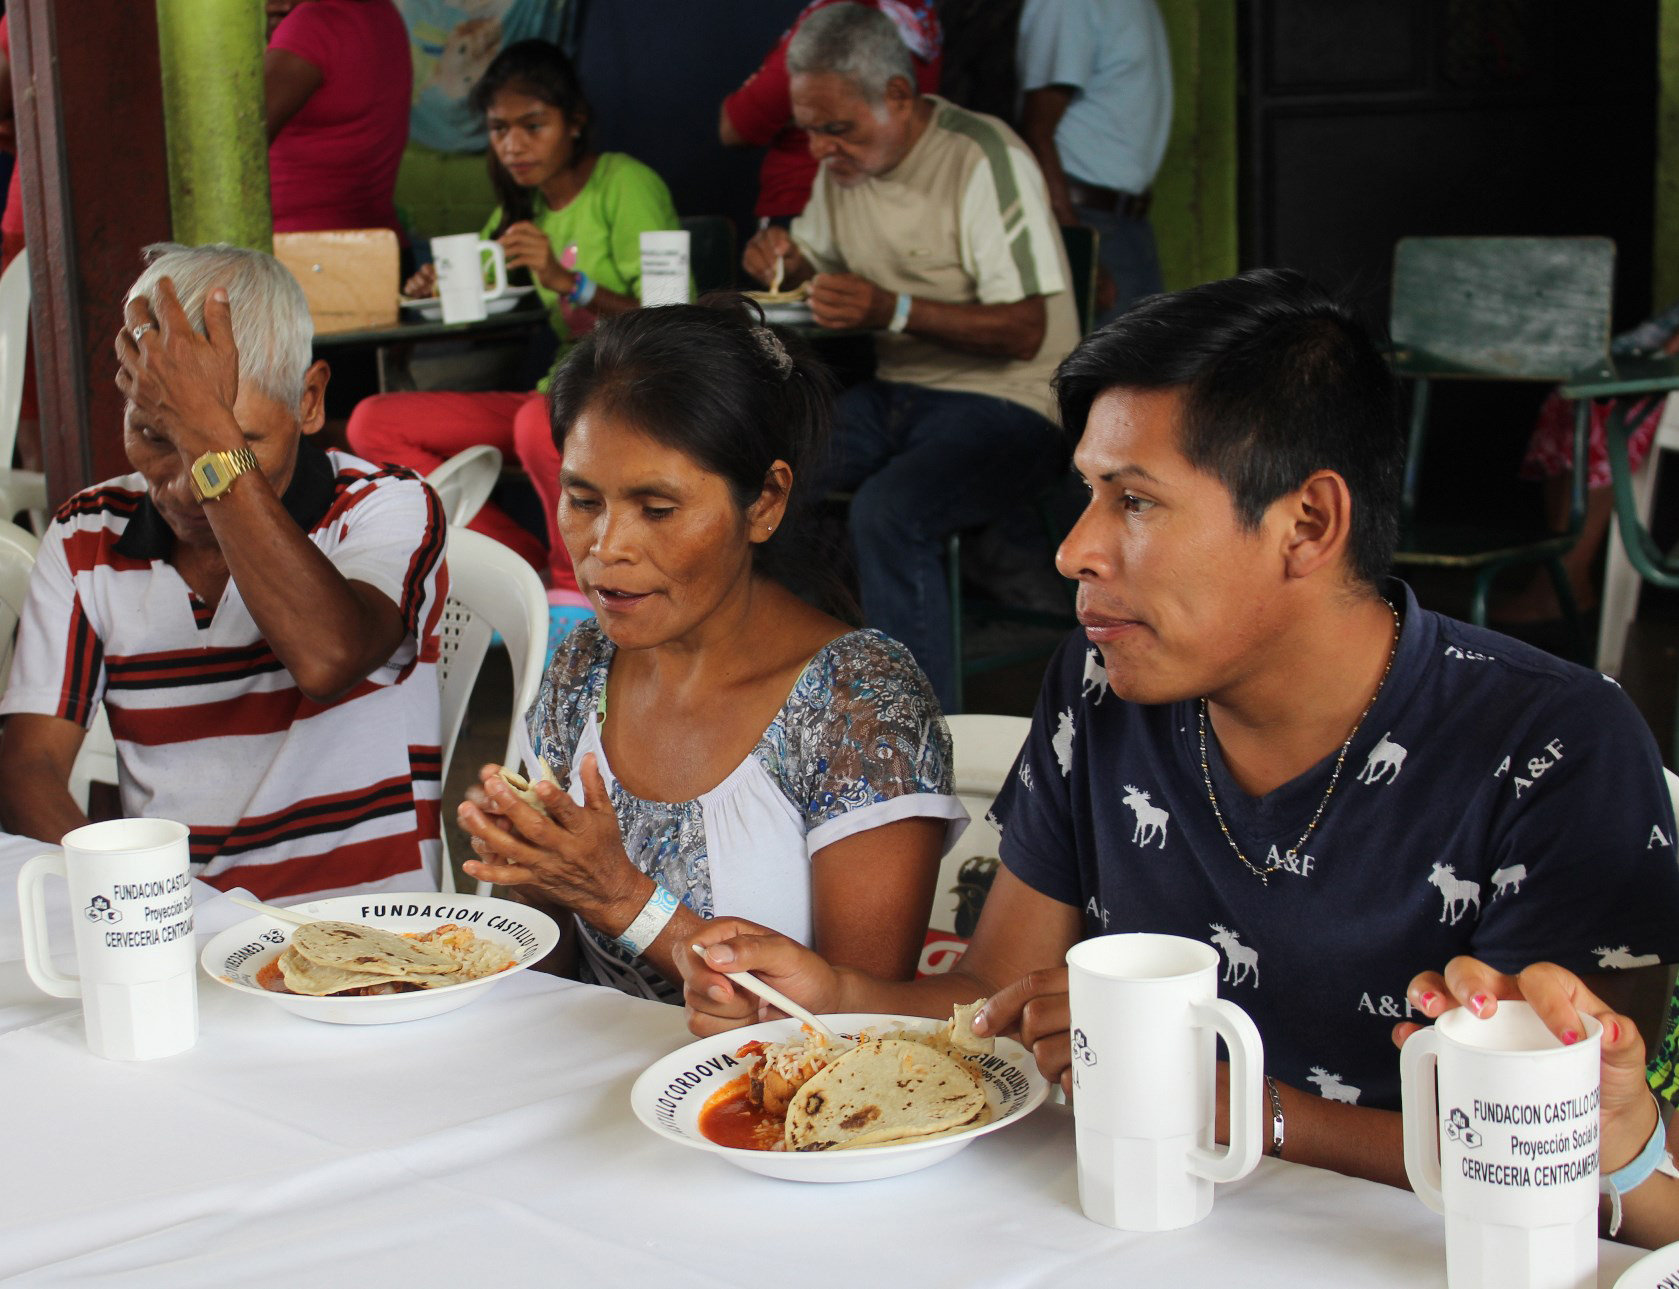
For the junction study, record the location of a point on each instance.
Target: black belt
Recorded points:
(1130, 204)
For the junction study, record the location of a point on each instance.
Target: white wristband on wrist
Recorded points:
(655, 915)
(1652, 1159)
(900, 315)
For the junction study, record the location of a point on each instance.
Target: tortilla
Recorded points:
(962, 1036)
(303, 976)
(525, 790)
(884, 1091)
(368, 950)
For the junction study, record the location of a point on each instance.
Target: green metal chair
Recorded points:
(1497, 309)
(711, 251)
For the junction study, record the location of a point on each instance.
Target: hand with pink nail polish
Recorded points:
(716, 1004)
(1561, 999)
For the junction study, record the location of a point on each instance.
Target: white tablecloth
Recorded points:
(495, 1145)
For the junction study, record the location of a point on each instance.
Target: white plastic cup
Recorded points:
(1501, 1136)
(131, 909)
(460, 275)
(1145, 1011)
(664, 268)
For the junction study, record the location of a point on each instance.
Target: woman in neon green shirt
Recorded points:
(574, 218)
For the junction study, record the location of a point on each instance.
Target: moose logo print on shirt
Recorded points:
(1331, 1087)
(1095, 677)
(1387, 757)
(1508, 879)
(1455, 893)
(1240, 961)
(1151, 819)
(1062, 741)
(1621, 958)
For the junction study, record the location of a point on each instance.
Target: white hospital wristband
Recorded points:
(900, 315)
(655, 915)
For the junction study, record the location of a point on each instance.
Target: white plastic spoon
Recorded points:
(770, 994)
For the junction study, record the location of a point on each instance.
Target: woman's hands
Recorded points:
(1560, 999)
(716, 1004)
(527, 247)
(574, 854)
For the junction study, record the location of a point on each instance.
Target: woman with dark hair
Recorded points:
(727, 747)
(574, 218)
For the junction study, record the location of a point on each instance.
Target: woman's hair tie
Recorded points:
(774, 350)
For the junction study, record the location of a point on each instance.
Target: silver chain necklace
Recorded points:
(1264, 874)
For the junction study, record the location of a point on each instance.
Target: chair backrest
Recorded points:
(17, 560)
(711, 251)
(1081, 244)
(14, 350)
(1501, 308)
(464, 482)
(985, 749)
(490, 590)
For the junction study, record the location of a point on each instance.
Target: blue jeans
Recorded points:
(1125, 248)
(921, 464)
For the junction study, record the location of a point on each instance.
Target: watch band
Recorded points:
(214, 472)
(1276, 1099)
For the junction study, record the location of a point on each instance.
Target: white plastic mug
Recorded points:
(1501, 1136)
(1145, 1010)
(131, 908)
(664, 267)
(460, 275)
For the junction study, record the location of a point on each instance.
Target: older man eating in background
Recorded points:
(258, 616)
(930, 224)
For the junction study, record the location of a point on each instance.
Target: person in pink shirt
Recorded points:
(337, 80)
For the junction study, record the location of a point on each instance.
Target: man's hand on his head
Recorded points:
(182, 384)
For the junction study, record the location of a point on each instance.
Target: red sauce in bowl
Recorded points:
(730, 1119)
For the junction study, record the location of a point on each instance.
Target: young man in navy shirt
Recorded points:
(1260, 741)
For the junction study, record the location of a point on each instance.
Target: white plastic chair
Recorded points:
(984, 749)
(490, 590)
(19, 489)
(1621, 583)
(464, 482)
(96, 760)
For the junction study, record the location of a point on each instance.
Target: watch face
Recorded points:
(211, 476)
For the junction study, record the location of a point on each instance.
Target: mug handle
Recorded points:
(498, 258)
(1419, 1102)
(32, 906)
(1247, 1065)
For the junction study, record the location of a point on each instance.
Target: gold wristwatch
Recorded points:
(214, 472)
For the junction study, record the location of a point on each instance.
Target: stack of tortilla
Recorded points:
(340, 957)
(884, 1091)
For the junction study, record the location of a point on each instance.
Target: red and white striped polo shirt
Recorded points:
(283, 795)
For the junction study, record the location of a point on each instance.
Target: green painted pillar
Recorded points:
(1665, 288)
(1194, 210)
(211, 52)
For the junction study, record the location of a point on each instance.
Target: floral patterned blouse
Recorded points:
(859, 743)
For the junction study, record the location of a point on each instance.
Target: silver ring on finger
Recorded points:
(142, 329)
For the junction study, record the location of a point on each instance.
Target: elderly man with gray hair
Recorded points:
(930, 226)
(258, 616)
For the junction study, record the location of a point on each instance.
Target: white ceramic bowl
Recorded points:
(670, 1093)
(430, 308)
(236, 955)
(1653, 1271)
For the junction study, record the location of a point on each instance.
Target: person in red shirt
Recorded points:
(760, 113)
(337, 80)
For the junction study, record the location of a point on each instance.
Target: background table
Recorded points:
(495, 1146)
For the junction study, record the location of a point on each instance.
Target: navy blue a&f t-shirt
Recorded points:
(1497, 801)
